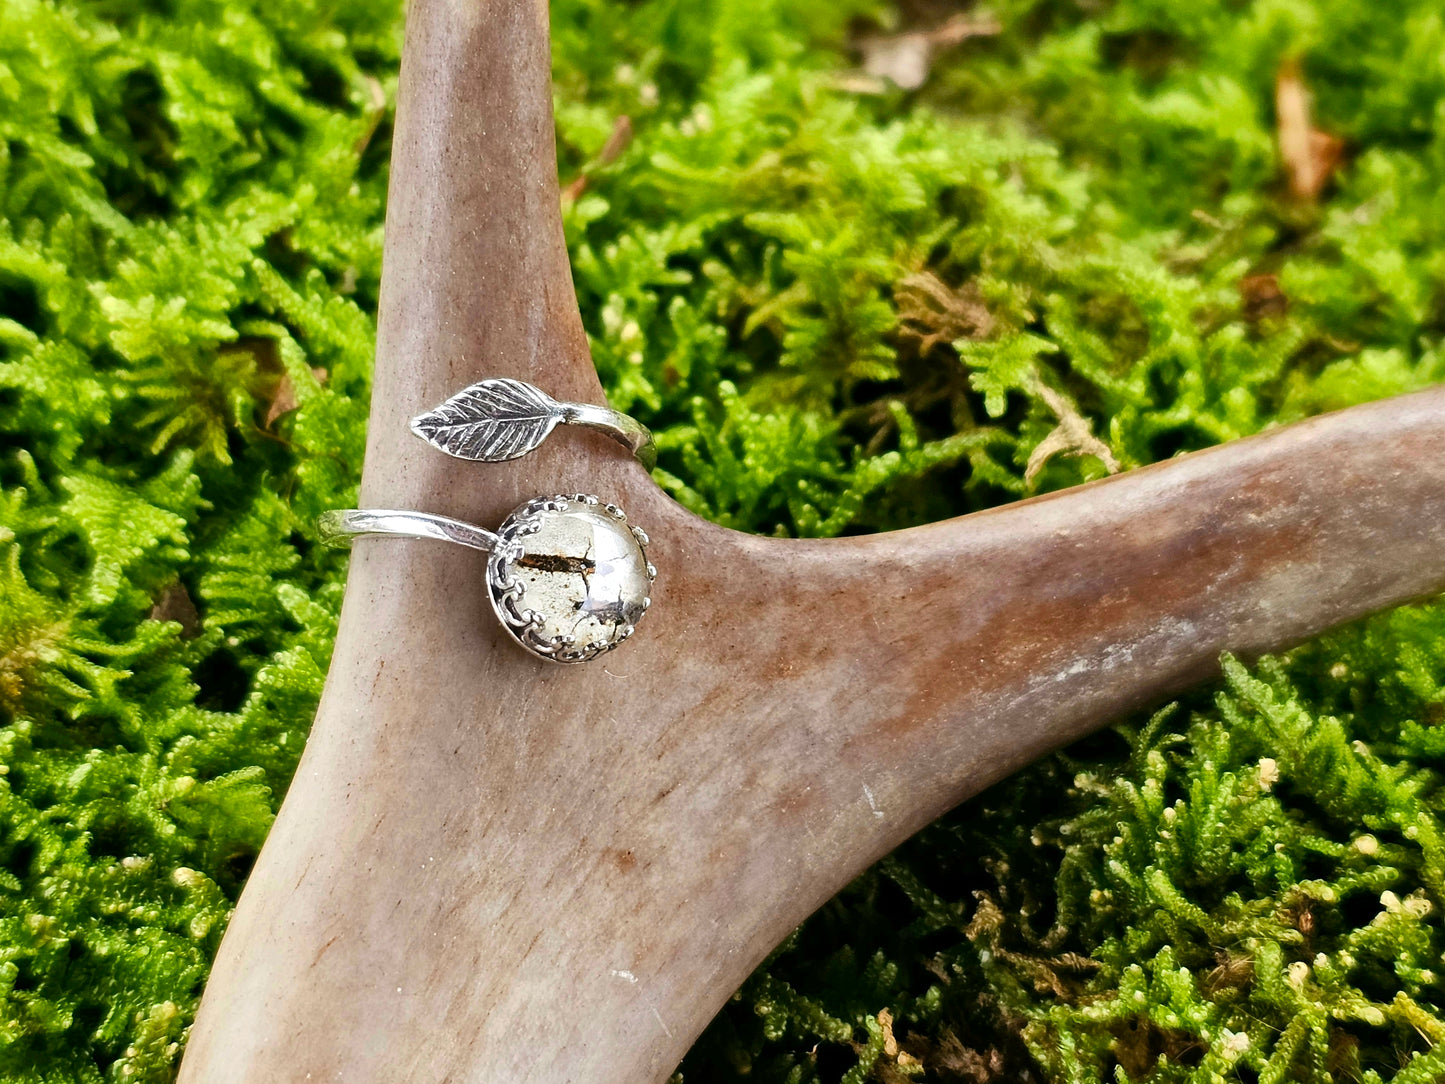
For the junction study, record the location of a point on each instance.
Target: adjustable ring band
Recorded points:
(623, 428)
(500, 419)
(340, 526)
(567, 575)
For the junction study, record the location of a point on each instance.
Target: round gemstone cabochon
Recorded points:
(570, 578)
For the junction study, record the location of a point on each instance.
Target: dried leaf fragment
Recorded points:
(283, 400)
(1310, 156)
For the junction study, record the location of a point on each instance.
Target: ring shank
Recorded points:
(626, 430)
(340, 526)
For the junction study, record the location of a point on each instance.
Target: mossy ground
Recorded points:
(1076, 247)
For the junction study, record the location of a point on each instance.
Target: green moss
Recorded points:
(841, 312)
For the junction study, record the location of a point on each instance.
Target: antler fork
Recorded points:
(490, 870)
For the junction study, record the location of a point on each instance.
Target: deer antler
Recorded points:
(489, 869)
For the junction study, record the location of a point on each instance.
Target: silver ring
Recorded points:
(567, 575)
(340, 526)
(496, 420)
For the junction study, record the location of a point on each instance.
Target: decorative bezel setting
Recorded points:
(508, 592)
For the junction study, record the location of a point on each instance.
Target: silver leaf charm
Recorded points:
(491, 421)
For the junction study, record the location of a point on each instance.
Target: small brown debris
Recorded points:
(934, 314)
(1139, 1043)
(283, 400)
(283, 395)
(906, 59)
(1232, 973)
(1074, 435)
(950, 1059)
(1300, 913)
(617, 142)
(900, 1057)
(890, 1044)
(1305, 921)
(1310, 156)
(1344, 1055)
(174, 604)
(1261, 298)
(1077, 963)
